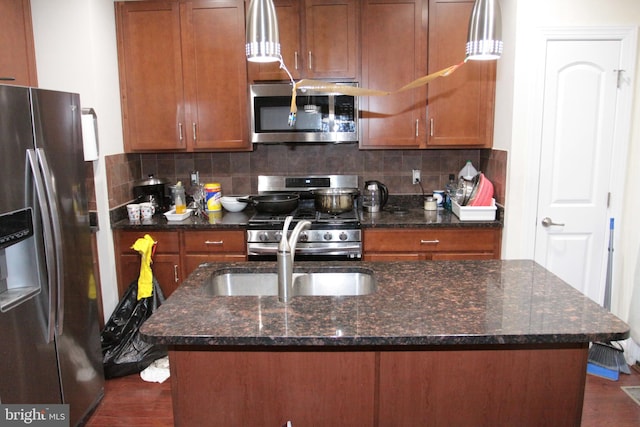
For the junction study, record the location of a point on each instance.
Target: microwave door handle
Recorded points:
(47, 234)
(57, 234)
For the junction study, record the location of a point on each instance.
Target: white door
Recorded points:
(578, 135)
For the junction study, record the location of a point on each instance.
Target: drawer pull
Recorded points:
(214, 242)
(429, 242)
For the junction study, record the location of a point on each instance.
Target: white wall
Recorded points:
(523, 21)
(75, 45)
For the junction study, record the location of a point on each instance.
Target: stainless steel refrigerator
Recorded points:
(49, 331)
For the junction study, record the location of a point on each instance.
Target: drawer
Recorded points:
(228, 241)
(168, 241)
(430, 240)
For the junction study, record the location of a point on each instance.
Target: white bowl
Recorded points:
(231, 204)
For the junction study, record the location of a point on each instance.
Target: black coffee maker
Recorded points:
(154, 190)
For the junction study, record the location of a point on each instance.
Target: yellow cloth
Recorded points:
(144, 247)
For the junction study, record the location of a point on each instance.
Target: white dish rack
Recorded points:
(173, 216)
(475, 213)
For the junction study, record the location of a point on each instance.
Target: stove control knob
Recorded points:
(264, 236)
(327, 236)
(303, 236)
(277, 235)
(343, 236)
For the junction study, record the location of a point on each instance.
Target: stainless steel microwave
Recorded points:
(321, 117)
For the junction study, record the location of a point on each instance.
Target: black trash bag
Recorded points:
(123, 350)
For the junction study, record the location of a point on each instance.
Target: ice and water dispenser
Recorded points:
(19, 273)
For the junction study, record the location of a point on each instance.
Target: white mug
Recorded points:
(147, 210)
(439, 196)
(133, 210)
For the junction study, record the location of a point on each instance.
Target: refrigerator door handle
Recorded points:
(47, 233)
(57, 234)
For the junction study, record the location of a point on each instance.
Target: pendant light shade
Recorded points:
(484, 40)
(263, 41)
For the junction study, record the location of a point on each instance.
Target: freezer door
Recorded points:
(29, 370)
(58, 141)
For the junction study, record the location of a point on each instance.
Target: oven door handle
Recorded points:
(270, 249)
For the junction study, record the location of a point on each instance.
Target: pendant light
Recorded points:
(263, 41)
(484, 41)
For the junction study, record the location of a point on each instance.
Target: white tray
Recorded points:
(475, 213)
(173, 216)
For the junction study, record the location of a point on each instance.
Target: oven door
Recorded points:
(351, 251)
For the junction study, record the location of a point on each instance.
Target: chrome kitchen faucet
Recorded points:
(285, 256)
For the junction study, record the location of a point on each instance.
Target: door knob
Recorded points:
(548, 222)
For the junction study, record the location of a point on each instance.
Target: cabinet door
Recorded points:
(394, 49)
(212, 246)
(460, 106)
(331, 36)
(165, 267)
(215, 74)
(166, 264)
(17, 55)
(288, 13)
(432, 243)
(269, 388)
(150, 75)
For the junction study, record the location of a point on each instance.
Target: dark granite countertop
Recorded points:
(400, 217)
(391, 217)
(416, 303)
(216, 220)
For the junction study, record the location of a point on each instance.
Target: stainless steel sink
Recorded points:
(322, 282)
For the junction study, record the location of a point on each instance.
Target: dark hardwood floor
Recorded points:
(131, 402)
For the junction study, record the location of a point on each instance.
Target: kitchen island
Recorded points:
(438, 343)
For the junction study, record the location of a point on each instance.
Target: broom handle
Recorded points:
(607, 285)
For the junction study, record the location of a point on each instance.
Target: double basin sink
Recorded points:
(323, 281)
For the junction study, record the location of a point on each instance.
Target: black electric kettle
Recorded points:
(375, 196)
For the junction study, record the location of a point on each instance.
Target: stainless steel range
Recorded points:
(330, 237)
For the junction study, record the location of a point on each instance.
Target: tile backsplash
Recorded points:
(238, 172)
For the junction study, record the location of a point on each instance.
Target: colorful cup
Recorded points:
(133, 210)
(147, 210)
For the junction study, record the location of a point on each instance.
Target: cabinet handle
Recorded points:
(431, 127)
(7, 78)
(175, 273)
(194, 132)
(180, 131)
(214, 242)
(417, 127)
(295, 60)
(310, 67)
(429, 242)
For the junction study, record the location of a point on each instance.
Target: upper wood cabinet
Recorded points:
(460, 107)
(183, 76)
(318, 39)
(17, 54)
(394, 49)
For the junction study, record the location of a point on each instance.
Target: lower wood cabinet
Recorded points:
(406, 244)
(269, 388)
(177, 254)
(166, 259)
(500, 385)
(212, 246)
